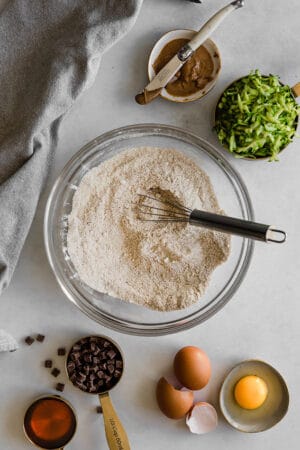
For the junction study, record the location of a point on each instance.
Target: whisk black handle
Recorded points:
(232, 225)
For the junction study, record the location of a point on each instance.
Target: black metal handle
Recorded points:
(240, 227)
(238, 3)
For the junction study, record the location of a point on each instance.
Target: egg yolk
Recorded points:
(250, 392)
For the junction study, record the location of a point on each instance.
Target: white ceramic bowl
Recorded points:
(270, 413)
(185, 34)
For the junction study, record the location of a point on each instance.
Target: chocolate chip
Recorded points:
(117, 373)
(29, 340)
(86, 369)
(61, 351)
(48, 363)
(60, 387)
(73, 377)
(91, 387)
(81, 376)
(99, 410)
(93, 346)
(40, 338)
(76, 347)
(81, 386)
(75, 356)
(111, 354)
(71, 366)
(87, 358)
(55, 372)
(110, 368)
(119, 364)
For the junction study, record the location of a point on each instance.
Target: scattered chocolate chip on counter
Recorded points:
(48, 363)
(61, 351)
(99, 409)
(40, 338)
(94, 364)
(29, 340)
(60, 387)
(55, 372)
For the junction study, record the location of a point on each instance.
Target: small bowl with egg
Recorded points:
(254, 396)
(196, 77)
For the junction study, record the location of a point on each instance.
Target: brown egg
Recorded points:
(192, 367)
(173, 403)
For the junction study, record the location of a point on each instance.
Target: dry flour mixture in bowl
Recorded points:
(162, 266)
(136, 276)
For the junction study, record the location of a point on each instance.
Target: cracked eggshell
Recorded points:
(172, 380)
(202, 418)
(7, 342)
(172, 402)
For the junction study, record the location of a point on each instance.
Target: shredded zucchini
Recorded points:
(257, 117)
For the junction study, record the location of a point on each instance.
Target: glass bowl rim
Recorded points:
(218, 301)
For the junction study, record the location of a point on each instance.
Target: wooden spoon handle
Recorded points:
(296, 90)
(115, 434)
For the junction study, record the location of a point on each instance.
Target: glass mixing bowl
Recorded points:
(112, 312)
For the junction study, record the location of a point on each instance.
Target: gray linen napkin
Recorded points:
(50, 52)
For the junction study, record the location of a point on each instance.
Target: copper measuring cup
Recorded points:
(53, 444)
(295, 91)
(115, 433)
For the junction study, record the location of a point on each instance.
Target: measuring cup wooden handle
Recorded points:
(296, 90)
(115, 434)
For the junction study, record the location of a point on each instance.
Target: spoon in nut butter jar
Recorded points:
(95, 365)
(167, 73)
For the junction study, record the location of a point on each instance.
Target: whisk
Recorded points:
(154, 209)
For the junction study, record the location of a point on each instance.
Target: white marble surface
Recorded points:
(262, 320)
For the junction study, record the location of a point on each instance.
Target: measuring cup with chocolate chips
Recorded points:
(95, 365)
